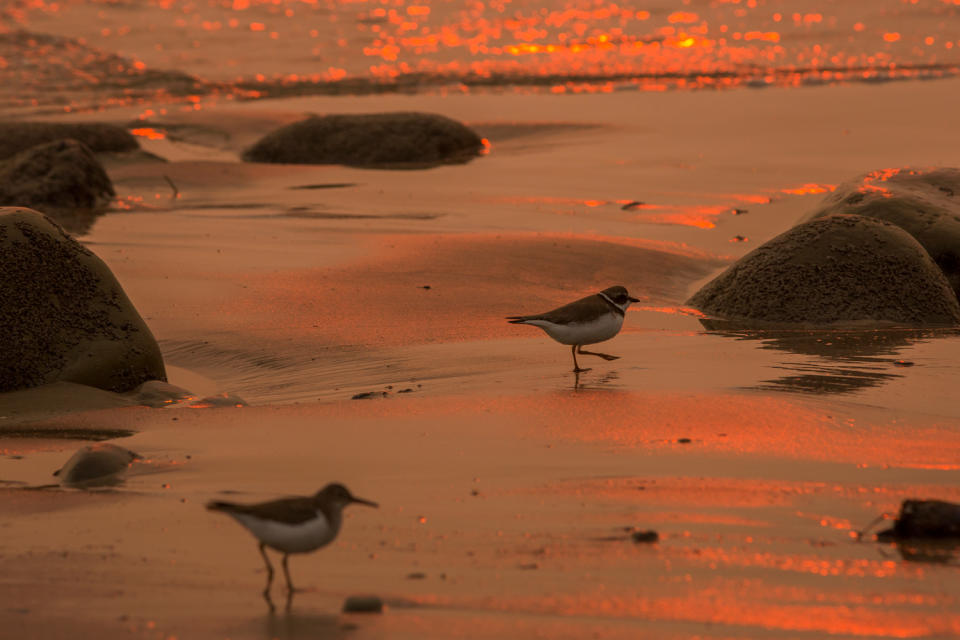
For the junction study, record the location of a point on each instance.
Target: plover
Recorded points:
(587, 321)
(293, 525)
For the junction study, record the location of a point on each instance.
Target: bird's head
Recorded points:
(339, 496)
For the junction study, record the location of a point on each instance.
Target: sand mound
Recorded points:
(926, 204)
(841, 269)
(62, 179)
(19, 136)
(374, 139)
(64, 316)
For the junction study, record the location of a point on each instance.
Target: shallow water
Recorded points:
(86, 53)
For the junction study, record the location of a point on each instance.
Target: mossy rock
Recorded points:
(841, 270)
(64, 316)
(97, 136)
(63, 179)
(924, 203)
(388, 140)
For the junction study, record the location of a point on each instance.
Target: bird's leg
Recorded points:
(576, 367)
(266, 590)
(605, 356)
(286, 572)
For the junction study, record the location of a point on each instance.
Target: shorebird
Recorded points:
(293, 525)
(586, 321)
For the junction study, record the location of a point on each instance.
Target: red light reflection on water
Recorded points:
(256, 48)
(149, 133)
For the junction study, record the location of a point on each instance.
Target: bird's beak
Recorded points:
(362, 501)
(632, 299)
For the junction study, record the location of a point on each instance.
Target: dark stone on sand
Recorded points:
(396, 140)
(62, 179)
(370, 395)
(924, 519)
(220, 400)
(924, 203)
(842, 270)
(363, 604)
(158, 394)
(97, 136)
(64, 316)
(645, 537)
(96, 465)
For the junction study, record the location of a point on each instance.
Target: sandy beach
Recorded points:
(508, 486)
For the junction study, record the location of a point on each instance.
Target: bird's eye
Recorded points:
(621, 299)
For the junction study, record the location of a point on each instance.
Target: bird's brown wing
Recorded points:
(582, 310)
(287, 510)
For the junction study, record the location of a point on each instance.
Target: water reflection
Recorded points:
(945, 552)
(837, 361)
(292, 625)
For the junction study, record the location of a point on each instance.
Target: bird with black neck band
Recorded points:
(589, 320)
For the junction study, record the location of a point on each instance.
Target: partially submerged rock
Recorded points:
(924, 203)
(158, 394)
(401, 139)
(62, 179)
(841, 270)
(64, 316)
(924, 519)
(96, 465)
(97, 136)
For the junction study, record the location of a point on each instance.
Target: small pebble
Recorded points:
(903, 363)
(645, 536)
(416, 575)
(367, 395)
(684, 440)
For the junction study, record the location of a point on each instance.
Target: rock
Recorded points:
(842, 270)
(370, 395)
(645, 537)
(400, 139)
(64, 316)
(97, 136)
(219, 400)
(158, 394)
(924, 203)
(62, 179)
(96, 465)
(924, 519)
(363, 604)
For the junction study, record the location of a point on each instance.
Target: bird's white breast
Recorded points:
(603, 328)
(290, 538)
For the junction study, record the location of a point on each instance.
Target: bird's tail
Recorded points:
(219, 505)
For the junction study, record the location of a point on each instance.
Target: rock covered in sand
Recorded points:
(924, 203)
(843, 269)
(96, 465)
(373, 139)
(62, 179)
(64, 317)
(97, 136)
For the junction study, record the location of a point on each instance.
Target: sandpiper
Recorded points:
(293, 525)
(587, 321)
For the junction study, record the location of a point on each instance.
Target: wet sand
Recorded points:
(508, 483)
